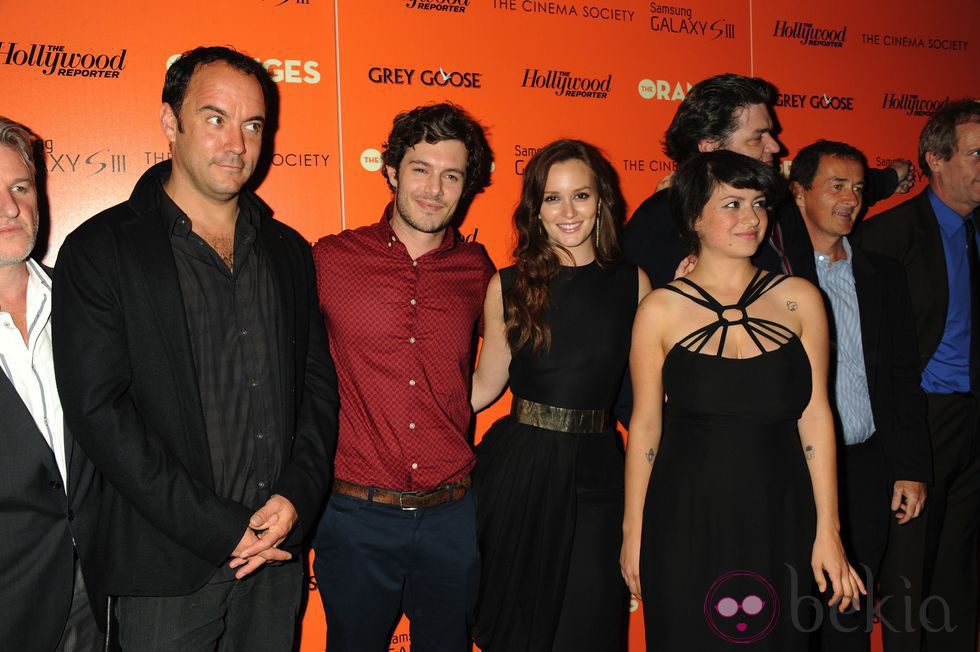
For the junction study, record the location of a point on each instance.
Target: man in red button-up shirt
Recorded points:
(402, 301)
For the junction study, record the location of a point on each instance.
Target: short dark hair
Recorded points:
(435, 123)
(180, 72)
(939, 134)
(807, 160)
(710, 111)
(696, 179)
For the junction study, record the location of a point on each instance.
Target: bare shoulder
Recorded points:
(798, 287)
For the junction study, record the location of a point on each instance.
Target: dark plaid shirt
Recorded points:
(233, 321)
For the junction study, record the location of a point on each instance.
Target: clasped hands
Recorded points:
(267, 529)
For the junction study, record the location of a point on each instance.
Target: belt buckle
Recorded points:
(401, 497)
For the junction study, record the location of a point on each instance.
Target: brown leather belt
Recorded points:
(404, 499)
(550, 417)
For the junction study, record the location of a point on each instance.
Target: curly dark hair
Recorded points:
(696, 179)
(710, 111)
(538, 262)
(435, 123)
(939, 134)
(180, 72)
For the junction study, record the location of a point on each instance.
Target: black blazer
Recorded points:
(890, 356)
(910, 234)
(129, 390)
(37, 558)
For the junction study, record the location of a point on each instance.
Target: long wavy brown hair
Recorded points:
(526, 302)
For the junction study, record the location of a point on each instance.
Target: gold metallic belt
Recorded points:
(556, 418)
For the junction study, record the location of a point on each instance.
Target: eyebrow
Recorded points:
(223, 113)
(555, 192)
(416, 161)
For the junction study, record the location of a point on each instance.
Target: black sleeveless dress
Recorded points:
(550, 504)
(729, 518)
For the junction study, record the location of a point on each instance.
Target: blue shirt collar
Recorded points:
(949, 220)
(823, 260)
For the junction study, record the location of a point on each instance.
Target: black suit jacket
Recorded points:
(129, 390)
(890, 355)
(910, 234)
(40, 521)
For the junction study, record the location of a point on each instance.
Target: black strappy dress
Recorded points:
(729, 519)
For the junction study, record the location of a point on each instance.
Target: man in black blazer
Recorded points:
(194, 370)
(879, 408)
(49, 491)
(730, 112)
(932, 565)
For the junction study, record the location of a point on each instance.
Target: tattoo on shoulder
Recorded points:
(650, 455)
(809, 452)
(792, 305)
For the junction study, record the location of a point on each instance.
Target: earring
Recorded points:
(598, 223)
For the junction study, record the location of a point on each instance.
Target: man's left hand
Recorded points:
(906, 175)
(271, 524)
(908, 500)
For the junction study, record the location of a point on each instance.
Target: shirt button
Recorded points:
(7, 324)
(415, 263)
(244, 332)
(411, 340)
(44, 420)
(411, 426)
(411, 383)
(253, 383)
(414, 466)
(393, 238)
(412, 302)
(389, 244)
(259, 435)
(262, 484)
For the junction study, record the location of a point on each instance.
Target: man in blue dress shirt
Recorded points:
(883, 452)
(933, 563)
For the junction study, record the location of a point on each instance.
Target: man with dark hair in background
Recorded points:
(931, 565)
(194, 371)
(49, 490)
(730, 112)
(402, 299)
(883, 455)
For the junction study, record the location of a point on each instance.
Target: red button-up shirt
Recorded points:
(402, 334)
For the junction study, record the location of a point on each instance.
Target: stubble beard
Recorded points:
(31, 243)
(404, 207)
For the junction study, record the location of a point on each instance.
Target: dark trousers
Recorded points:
(930, 566)
(864, 499)
(373, 561)
(81, 630)
(255, 614)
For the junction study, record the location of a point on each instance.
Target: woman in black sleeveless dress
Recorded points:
(731, 499)
(549, 477)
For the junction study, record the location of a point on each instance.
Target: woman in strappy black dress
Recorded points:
(549, 477)
(731, 500)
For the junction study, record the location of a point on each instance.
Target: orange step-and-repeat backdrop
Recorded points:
(86, 77)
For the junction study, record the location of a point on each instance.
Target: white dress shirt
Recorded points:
(30, 368)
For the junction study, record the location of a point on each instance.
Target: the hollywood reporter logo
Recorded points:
(565, 84)
(58, 61)
(448, 6)
(808, 34)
